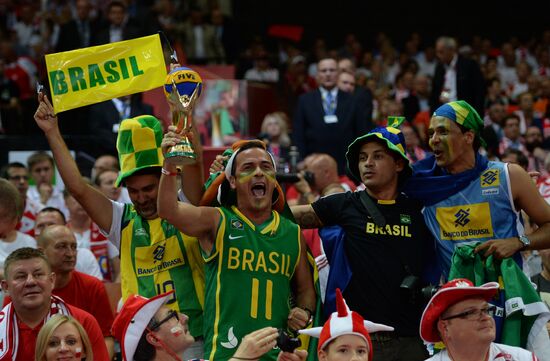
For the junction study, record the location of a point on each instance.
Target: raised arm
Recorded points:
(200, 222)
(97, 205)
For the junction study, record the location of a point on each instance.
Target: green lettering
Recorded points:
(95, 75)
(76, 75)
(134, 64)
(123, 68)
(110, 68)
(59, 85)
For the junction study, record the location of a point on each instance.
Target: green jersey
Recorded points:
(156, 258)
(248, 277)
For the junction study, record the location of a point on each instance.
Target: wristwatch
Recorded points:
(526, 242)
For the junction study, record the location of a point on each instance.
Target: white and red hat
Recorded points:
(132, 320)
(344, 322)
(450, 293)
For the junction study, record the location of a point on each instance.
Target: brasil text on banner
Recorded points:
(98, 73)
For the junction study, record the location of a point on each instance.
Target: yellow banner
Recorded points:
(98, 73)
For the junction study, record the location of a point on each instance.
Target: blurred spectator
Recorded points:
(18, 175)
(105, 117)
(456, 77)
(44, 191)
(542, 280)
(105, 182)
(102, 163)
(297, 81)
(11, 207)
(526, 112)
(403, 85)
(118, 26)
(512, 137)
(262, 70)
(544, 182)
(494, 93)
(492, 132)
(515, 156)
(414, 151)
(519, 86)
(10, 109)
(78, 32)
(201, 44)
(274, 132)
(543, 59)
(427, 62)
(535, 153)
(88, 236)
(26, 28)
(327, 120)
(506, 63)
(225, 34)
(85, 260)
(419, 98)
(346, 82)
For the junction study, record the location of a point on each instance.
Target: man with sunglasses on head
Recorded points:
(460, 316)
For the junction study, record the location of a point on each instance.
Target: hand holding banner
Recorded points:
(98, 73)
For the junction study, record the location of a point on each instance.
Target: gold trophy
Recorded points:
(182, 89)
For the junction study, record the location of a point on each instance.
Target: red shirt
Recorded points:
(88, 293)
(27, 336)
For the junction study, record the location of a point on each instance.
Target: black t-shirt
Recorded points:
(377, 257)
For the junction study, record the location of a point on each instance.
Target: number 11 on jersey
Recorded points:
(254, 299)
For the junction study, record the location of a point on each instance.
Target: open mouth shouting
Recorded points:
(258, 189)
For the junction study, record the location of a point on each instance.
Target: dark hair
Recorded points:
(38, 157)
(97, 182)
(53, 210)
(24, 253)
(523, 162)
(144, 171)
(144, 350)
(508, 117)
(116, 3)
(4, 171)
(248, 145)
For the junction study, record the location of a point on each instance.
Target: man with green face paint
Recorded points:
(469, 199)
(254, 257)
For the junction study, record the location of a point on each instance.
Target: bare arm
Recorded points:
(97, 205)
(306, 217)
(305, 292)
(200, 222)
(527, 198)
(193, 175)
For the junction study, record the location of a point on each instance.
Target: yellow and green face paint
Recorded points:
(441, 128)
(247, 175)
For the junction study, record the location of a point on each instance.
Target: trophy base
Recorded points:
(181, 158)
(181, 154)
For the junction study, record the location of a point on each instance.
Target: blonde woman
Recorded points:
(63, 337)
(274, 132)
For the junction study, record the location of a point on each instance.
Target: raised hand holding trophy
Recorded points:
(182, 89)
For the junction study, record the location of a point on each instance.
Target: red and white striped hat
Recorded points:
(344, 322)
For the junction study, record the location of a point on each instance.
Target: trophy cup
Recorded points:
(182, 89)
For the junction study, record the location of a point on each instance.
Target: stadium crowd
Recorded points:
(412, 181)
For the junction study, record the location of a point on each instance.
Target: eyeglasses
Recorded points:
(473, 315)
(153, 325)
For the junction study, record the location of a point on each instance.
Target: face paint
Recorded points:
(244, 177)
(78, 353)
(176, 331)
(441, 128)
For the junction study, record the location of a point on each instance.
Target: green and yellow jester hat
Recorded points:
(390, 136)
(138, 144)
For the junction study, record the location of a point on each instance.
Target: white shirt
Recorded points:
(56, 200)
(497, 352)
(450, 80)
(21, 240)
(87, 263)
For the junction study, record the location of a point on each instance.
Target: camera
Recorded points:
(428, 292)
(293, 177)
(286, 342)
(414, 292)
